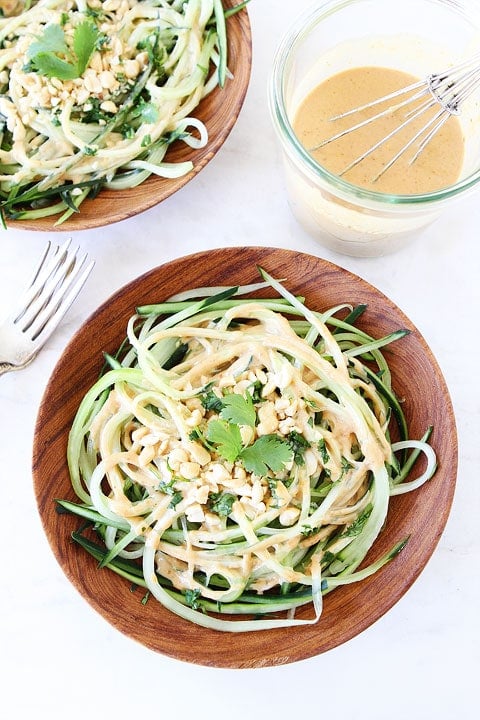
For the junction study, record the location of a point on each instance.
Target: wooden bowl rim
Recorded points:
(175, 637)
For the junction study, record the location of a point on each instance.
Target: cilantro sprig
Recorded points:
(50, 55)
(268, 452)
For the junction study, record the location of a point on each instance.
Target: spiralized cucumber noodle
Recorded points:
(64, 137)
(236, 457)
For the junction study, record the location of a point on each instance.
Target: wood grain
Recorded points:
(347, 611)
(219, 111)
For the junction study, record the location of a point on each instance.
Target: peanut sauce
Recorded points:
(438, 165)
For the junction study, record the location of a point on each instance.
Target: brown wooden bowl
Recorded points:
(219, 111)
(348, 610)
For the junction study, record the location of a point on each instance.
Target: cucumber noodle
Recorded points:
(204, 531)
(61, 140)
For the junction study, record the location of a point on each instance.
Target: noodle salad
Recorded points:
(93, 93)
(237, 456)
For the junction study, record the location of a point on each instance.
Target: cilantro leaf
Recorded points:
(227, 437)
(268, 451)
(238, 409)
(52, 41)
(46, 63)
(84, 42)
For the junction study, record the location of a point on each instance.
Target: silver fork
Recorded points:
(55, 285)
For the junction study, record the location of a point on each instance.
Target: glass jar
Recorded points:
(340, 34)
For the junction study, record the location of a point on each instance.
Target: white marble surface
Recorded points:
(421, 661)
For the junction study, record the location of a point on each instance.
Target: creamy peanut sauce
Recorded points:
(438, 165)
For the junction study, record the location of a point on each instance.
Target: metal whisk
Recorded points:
(447, 90)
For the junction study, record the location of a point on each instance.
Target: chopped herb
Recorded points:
(191, 598)
(211, 401)
(166, 488)
(195, 435)
(272, 486)
(94, 13)
(328, 557)
(146, 111)
(357, 526)
(102, 42)
(256, 391)
(156, 56)
(221, 503)
(176, 498)
(307, 530)
(346, 466)
(174, 135)
(298, 445)
(146, 141)
(134, 491)
(322, 448)
(127, 132)
(94, 114)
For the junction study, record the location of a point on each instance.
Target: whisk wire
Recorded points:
(443, 117)
(448, 90)
(379, 101)
(413, 116)
(372, 118)
(412, 141)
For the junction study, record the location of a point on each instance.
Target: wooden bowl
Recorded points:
(348, 610)
(219, 111)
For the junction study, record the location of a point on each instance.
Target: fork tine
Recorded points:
(51, 260)
(40, 266)
(62, 265)
(30, 290)
(51, 314)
